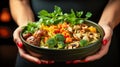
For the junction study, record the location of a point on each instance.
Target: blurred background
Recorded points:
(8, 49)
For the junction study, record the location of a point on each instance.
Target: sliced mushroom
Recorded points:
(76, 27)
(85, 38)
(73, 45)
(84, 26)
(70, 29)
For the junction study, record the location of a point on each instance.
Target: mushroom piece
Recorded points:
(73, 45)
(77, 36)
(76, 27)
(70, 29)
(85, 38)
(84, 26)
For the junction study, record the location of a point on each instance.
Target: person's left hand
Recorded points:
(104, 49)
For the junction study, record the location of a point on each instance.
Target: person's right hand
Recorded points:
(30, 56)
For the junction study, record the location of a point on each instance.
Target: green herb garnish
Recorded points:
(57, 16)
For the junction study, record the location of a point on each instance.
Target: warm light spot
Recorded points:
(5, 32)
(5, 15)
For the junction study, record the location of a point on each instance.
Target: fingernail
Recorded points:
(50, 62)
(76, 61)
(104, 42)
(38, 62)
(20, 45)
(44, 62)
(68, 62)
(85, 61)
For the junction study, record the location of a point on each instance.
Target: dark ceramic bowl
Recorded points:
(67, 54)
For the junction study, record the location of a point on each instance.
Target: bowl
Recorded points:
(61, 55)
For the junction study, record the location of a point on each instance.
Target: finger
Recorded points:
(79, 61)
(103, 51)
(16, 35)
(29, 57)
(68, 62)
(108, 32)
(21, 50)
(50, 62)
(46, 62)
(107, 37)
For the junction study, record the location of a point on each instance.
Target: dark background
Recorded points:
(8, 49)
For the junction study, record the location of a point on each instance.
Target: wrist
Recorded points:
(23, 23)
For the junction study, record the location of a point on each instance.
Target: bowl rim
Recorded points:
(100, 39)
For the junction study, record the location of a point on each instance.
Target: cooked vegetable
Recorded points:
(51, 43)
(60, 45)
(60, 30)
(59, 37)
(83, 43)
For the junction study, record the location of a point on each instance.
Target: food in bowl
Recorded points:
(61, 36)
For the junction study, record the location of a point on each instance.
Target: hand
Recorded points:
(30, 56)
(104, 49)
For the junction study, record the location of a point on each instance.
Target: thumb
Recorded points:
(108, 34)
(16, 36)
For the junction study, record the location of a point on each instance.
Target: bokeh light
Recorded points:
(5, 15)
(5, 32)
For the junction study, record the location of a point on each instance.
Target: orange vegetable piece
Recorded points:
(68, 40)
(92, 29)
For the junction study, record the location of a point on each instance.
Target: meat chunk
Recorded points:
(26, 35)
(34, 41)
(35, 38)
(39, 33)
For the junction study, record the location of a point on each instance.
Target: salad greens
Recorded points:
(57, 16)
(31, 27)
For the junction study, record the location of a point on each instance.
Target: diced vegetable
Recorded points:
(92, 29)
